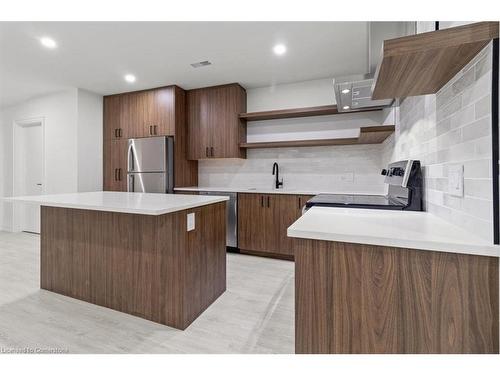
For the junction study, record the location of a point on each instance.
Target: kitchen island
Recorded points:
(382, 281)
(161, 257)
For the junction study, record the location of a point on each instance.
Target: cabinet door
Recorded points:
(112, 124)
(251, 222)
(271, 222)
(290, 209)
(226, 128)
(129, 114)
(163, 111)
(115, 165)
(214, 127)
(197, 119)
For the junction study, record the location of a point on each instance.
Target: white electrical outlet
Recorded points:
(347, 177)
(456, 180)
(190, 222)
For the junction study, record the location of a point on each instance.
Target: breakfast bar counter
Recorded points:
(158, 256)
(379, 281)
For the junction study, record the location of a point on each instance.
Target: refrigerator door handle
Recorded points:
(130, 157)
(130, 183)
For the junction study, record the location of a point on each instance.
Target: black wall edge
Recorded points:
(495, 146)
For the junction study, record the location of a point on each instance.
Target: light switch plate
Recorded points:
(190, 222)
(456, 180)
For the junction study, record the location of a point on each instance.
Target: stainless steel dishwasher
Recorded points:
(232, 216)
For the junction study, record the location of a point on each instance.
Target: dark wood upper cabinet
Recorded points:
(214, 127)
(163, 111)
(422, 64)
(199, 136)
(112, 107)
(148, 113)
(139, 114)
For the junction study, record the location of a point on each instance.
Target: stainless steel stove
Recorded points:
(405, 191)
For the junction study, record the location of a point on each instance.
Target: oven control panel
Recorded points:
(398, 173)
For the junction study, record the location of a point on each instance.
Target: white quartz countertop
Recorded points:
(406, 229)
(260, 190)
(134, 203)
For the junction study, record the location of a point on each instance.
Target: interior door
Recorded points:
(31, 174)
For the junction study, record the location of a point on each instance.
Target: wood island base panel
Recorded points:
(353, 298)
(145, 265)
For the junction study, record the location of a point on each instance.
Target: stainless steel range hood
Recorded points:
(355, 92)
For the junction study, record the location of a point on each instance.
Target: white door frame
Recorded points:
(16, 160)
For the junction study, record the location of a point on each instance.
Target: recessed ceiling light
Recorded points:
(346, 107)
(130, 78)
(48, 42)
(346, 91)
(279, 49)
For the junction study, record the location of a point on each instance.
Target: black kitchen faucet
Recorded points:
(276, 172)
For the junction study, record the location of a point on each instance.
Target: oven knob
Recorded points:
(398, 172)
(384, 172)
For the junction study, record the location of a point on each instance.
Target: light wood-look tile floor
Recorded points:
(254, 315)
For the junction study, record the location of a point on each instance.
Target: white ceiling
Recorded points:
(96, 55)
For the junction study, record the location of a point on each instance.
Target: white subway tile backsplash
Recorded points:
(480, 168)
(452, 202)
(342, 169)
(480, 88)
(464, 116)
(449, 108)
(483, 66)
(483, 107)
(478, 188)
(453, 126)
(480, 208)
(482, 147)
(477, 129)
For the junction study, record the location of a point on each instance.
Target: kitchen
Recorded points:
(349, 209)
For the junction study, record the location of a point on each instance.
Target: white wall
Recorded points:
(73, 122)
(294, 95)
(342, 169)
(89, 141)
(2, 175)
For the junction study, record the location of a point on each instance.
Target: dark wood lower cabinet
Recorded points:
(144, 265)
(352, 298)
(263, 220)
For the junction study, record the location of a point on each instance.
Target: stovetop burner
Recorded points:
(353, 200)
(405, 191)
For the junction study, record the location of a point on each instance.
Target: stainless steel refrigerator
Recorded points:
(151, 165)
